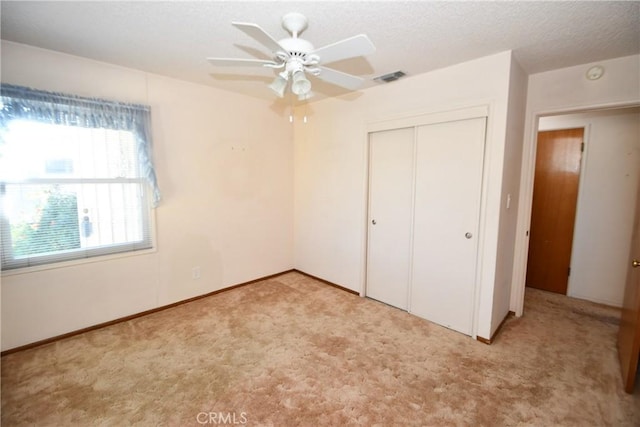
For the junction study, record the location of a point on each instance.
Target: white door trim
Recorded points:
(428, 118)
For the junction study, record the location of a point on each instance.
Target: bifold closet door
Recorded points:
(390, 214)
(449, 162)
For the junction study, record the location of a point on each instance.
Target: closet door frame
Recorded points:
(428, 118)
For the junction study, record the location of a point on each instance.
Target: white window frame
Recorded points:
(18, 104)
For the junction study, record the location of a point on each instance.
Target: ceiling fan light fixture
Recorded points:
(279, 85)
(305, 96)
(300, 85)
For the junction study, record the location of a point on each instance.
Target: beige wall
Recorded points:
(235, 206)
(331, 169)
(225, 167)
(564, 91)
(510, 194)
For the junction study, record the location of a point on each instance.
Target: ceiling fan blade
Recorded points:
(359, 45)
(261, 36)
(238, 62)
(339, 78)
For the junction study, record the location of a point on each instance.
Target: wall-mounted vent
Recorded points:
(391, 77)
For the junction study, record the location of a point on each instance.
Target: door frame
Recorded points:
(428, 118)
(525, 200)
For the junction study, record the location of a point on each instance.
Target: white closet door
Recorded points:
(449, 159)
(390, 214)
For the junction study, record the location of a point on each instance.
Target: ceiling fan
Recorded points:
(297, 57)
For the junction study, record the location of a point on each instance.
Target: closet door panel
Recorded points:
(390, 214)
(449, 161)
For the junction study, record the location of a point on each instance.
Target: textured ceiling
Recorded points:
(174, 38)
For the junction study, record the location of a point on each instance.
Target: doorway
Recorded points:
(553, 213)
(596, 274)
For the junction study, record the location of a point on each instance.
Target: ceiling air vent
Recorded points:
(388, 78)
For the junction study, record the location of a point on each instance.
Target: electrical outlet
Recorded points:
(195, 273)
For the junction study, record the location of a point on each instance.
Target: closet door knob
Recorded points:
(468, 235)
(373, 221)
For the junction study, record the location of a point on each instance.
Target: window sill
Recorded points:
(76, 262)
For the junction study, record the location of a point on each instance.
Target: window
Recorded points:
(76, 178)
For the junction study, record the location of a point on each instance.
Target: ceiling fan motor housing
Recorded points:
(297, 48)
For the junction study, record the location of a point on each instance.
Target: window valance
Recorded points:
(24, 103)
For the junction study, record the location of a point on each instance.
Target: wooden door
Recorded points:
(449, 164)
(555, 195)
(629, 333)
(390, 215)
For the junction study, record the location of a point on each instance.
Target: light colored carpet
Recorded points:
(293, 351)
